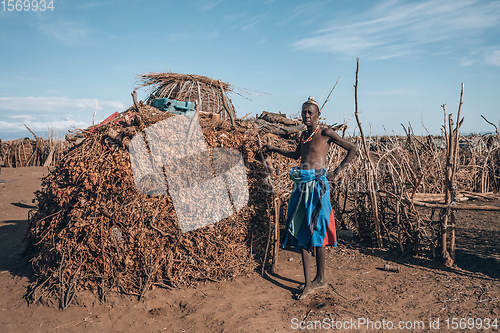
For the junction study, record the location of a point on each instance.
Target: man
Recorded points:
(310, 223)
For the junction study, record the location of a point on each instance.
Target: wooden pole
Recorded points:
(455, 162)
(452, 161)
(277, 206)
(368, 164)
(447, 193)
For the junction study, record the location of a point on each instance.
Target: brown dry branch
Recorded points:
(28, 152)
(94, 231)
(412, 170)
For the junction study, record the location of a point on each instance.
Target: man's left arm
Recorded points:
(352, 151)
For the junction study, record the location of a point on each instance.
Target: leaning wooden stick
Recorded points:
(268, 170)
(277, 205)
(328, 97)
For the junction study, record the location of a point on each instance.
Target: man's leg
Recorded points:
(306, 265)
(319, 280)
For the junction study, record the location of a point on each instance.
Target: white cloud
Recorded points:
(304, 13)
(493, 58)
(397, 28)
(243, 21)
(250, 25)
(65, 31)
(209, 5)
(23, 117)
(466, 62)
(54, 105)
(42, 126)
(56, 113)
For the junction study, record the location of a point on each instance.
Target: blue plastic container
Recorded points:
(177, 107)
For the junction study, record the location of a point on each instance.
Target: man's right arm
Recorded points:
(295, 154)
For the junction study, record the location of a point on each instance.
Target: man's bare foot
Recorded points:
(306, 291)
(317, 284)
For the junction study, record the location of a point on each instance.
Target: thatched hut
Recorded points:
(94, 230)
(210, 94)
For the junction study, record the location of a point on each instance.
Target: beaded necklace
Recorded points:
(310, 136)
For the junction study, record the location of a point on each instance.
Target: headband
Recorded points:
(311, 100)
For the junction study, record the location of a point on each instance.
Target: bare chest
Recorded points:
(318, 145)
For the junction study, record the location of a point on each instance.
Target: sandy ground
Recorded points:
(424, 296)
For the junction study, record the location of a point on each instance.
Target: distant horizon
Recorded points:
(60, 134)
(61, 65)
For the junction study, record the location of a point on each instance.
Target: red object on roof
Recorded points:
(113, 116)
(107, 120)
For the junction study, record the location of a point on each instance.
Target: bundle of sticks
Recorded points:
(94, 230)
(31, 152)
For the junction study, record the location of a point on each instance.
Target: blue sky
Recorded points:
(414, 55)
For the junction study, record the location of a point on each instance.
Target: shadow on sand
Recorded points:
(467, 263)
(12, 235)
